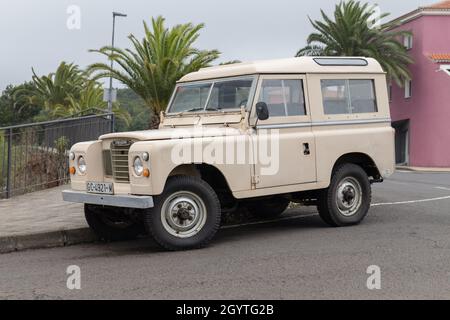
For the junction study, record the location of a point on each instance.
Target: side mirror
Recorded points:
(262, 112)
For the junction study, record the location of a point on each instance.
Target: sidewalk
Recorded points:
(41, 219)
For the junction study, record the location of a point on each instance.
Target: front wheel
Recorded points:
(347, 200)
(186, 215)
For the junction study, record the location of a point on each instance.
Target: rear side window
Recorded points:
(283, 97)
(345, 96)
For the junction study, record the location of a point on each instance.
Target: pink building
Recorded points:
(421, 110)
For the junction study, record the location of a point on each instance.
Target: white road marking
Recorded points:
(314, 214)
(442, 188)
(410, 201)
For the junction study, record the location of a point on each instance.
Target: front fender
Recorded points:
(163, 160)
(92, 152)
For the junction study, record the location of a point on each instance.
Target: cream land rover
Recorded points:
(310, 130)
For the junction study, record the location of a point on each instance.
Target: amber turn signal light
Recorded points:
(146, 173)
(72, 170)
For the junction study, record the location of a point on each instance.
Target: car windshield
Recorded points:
(224, 94)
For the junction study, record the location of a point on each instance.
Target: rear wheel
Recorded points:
(186, 215)
(111, 223)
(347, 200)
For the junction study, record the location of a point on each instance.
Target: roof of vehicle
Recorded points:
(289, 65)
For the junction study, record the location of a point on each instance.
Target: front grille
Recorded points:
(119, 160)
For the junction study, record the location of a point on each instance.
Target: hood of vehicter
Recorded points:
(173, 133)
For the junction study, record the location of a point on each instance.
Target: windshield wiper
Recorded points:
(198, 109)
(189, 110)
(193, 109)
(213, 109)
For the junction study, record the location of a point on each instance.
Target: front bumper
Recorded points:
(125, 201)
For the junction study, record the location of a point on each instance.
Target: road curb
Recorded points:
(46, 240)
(70, 237)
(420, 169)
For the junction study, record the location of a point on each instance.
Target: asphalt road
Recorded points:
(297, 257)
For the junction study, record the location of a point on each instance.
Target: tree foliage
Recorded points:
(13, 111)
(64, 93)
(352, 32)
(154, 64)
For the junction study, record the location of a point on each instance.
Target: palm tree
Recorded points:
(64, 93)
(155, 63)
(50, 92)
(90, 100)
(351, 34)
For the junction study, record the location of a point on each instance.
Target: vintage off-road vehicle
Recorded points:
(315, 131)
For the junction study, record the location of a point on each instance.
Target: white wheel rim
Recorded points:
(348, 196)
(183, 214)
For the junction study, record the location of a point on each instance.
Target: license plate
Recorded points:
(99, 187)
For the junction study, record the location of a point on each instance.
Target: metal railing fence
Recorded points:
(34, 156)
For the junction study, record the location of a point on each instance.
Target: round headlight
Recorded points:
(72, 155)
(145, 156)
(138, 166)
(82, 165)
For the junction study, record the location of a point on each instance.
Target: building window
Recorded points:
(445, 68)
(408, 89)
(408, 42)
(348, 96)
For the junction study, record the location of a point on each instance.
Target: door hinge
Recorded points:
(255, 179)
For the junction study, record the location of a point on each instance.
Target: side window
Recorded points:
(348, 96)
(283, 97)
(335, 96)
(362, 96)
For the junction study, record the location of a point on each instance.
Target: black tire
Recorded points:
(268, 208)
(328, 199)
(112, 224)
(159, 226)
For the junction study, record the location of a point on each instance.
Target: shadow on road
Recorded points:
(230, 234)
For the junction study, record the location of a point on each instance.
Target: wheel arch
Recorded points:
(361, 159)
(207, 172)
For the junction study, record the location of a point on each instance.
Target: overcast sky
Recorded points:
(35, 33)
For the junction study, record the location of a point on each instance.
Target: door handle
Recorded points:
(306, 150)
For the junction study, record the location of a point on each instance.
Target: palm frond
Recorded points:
(153, 64)
(350, 33)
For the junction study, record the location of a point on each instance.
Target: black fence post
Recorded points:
(9, 164)
(113, 122)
